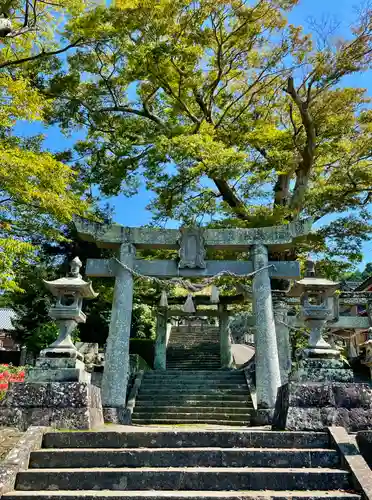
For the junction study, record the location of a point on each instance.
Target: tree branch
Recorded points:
(230, 197)
(145, 113)
(308, 152)
(17, 62)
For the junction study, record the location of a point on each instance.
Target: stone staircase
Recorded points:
(184, 465)
(207, 397)
(194, 347)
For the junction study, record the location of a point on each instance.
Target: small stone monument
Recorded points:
(319, 361)
(57, 392)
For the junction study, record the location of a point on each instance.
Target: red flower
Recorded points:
(6, 374)
(3, 386)
(21, 374)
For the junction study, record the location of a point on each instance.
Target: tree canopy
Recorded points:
(38, 192)
(230, 114)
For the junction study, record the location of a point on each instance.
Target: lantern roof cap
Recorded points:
(311, 283)
(72, 284)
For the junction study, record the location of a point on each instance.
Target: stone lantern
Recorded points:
(320, 361)
(315, 310)
(67, 312)
(61, 361)
(368, 351)
(57, 392)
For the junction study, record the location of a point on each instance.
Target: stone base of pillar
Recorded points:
(118, 415)
(322, 370)
(316, 406)
(61, 405)
(262, 417)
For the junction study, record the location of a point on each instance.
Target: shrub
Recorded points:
(10, 374)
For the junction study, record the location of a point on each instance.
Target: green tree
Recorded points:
(228, 112)
(360, 275)
(37, 191)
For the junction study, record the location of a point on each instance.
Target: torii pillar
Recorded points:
(116, 372)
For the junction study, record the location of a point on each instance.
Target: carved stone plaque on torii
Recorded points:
(191, 243)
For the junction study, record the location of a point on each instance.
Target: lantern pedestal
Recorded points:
(61, 405)
(58, 370)
(322, 370)
(315, 406)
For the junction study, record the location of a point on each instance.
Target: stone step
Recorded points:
(192, 379)
(198, 399)
(193, 417)
(194, 347)
(186, 438)
(188, 356)
(175, 385)
(186, 365)
(171, 403)
(193, 390)
(198, 349)
(190, 478)
(223, 374)
(200, 337)
(173, 421)
(185, 457)
(165, 410)
(195, 337)
(187, 340)
(191, 368)
(182, 495)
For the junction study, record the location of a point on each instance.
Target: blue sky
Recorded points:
(131, 211)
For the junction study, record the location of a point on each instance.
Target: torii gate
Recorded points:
(191, 243)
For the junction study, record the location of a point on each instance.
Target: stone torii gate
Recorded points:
(191, 243)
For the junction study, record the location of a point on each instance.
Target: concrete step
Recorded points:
(182, 495)
(186, 438)
(186, 478)
(185, 457)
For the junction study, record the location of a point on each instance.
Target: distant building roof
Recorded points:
(365, 285)
(349, 286)
(6, 316)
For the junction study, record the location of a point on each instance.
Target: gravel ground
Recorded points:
(8, 438)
